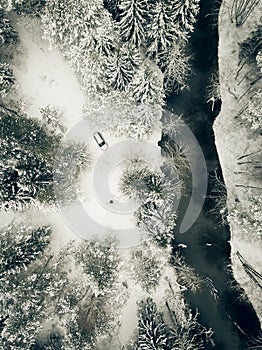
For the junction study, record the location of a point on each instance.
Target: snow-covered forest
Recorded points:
(116, 66)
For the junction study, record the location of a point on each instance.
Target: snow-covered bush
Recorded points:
(186, 275)
(176, 163)
(252, 114)
(213, 88)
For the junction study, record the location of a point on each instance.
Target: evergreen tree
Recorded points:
(153, 332)
(7, 79)
(146, 266)
(113, 7)
(71, 23)
(141, 120)
(122, 66)
(139, 182)
(175, 65)
(76, 337)
(30, 7)
(157, 220)
(19, 247)
(147, 87)
(7, 33)
(53, 342)
(133, 15)
(99, 263)
(160, 29)
(185, 13)
(26, 153)
(25, 301)
(52, 120)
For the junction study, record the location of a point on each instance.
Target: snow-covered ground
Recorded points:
(45, 78)
(234, 139)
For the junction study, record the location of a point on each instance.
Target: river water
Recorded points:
(232, 319)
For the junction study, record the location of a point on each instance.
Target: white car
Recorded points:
(100, 141)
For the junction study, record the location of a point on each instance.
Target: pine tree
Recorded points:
(7, 79)
(147, 87)
(132, 21)
(30, 7)
(157, 220)
(160, 29)
(26, 300)
(146, 266)
(185, 13)
(68, 22)
(175, 65)
(54, 342)
(19, 247)
(153, 332)
(113, 7)
(99, 263)
(71, 159)
(139, 182)
(122, 66)
(27, 152)
(8, 34)
(52, 119)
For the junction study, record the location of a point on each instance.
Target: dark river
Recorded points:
(232, 319)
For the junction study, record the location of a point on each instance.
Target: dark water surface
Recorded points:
(232, 319)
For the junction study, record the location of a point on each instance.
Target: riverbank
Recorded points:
(233, 140)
